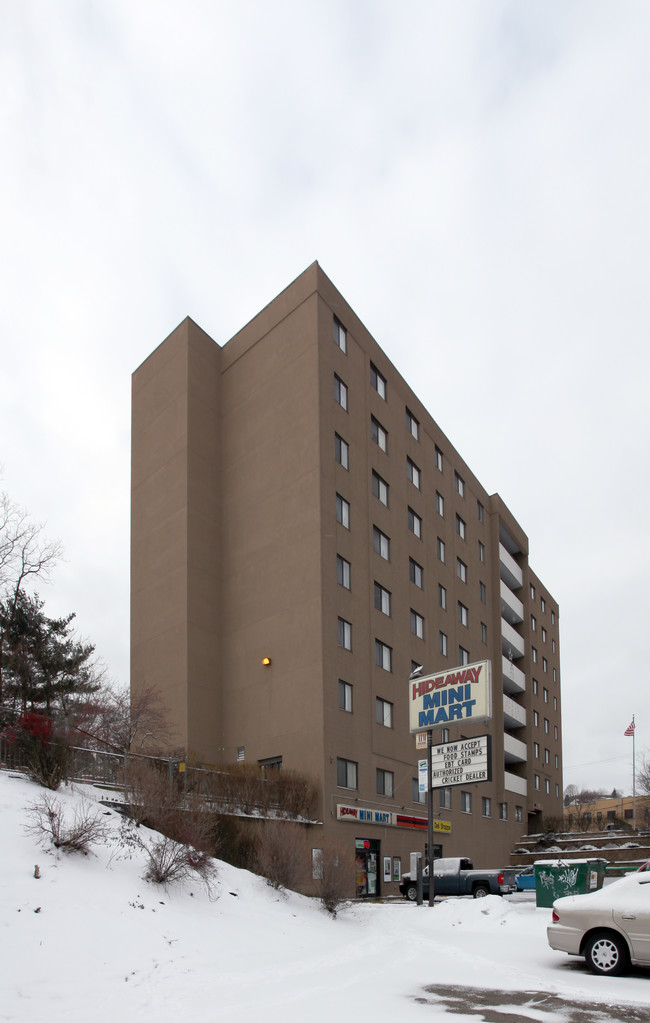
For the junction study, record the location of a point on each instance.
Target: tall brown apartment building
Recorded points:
(292, 499)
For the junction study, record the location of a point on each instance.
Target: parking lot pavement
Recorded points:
(534, 1006)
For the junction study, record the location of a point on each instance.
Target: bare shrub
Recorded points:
(336, 875)
(293, 793)
(47, 822)
(167, 861)
(282, 854)
(237, 843)
(147, 792)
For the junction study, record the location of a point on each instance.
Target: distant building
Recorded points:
(292, 499)
(608, 811)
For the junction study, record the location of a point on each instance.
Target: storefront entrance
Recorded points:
(367, 866)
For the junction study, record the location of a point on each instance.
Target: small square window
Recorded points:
(345, 696)
(342, 511)
(345, 634)
(385, 782)
(415, 523)
(382, 599)
(383, 712)
(412, 472)
(341, 451)
(412, 425)
(380, 488)
(340, 392)
(415, 572)
(342, 572)
(463, 655)
(460, 484)
(442, 596)
(377, 381)
(460, 527)
(417, 624)
(439, 462)
(381, 543)
(440, 547)
(378, 434)
(340, 335)
(461, 570)
(346, 773)
(383, 656)
(463, 614)
(442, 646)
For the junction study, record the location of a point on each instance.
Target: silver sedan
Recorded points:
(610, 927)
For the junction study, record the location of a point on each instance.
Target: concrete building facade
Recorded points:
(292, 499)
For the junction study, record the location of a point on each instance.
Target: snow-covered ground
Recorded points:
(89, 940)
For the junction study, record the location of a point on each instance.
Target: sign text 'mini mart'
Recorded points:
(463, 694)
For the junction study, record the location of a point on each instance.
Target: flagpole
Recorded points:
(633, 774)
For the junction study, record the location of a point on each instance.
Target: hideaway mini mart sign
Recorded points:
(388, 818)
(463, 694)
(458, 763)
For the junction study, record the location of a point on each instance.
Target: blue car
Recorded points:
(526, 880)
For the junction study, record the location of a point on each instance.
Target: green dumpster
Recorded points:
(557, 878)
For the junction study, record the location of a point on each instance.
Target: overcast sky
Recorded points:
(475, 179)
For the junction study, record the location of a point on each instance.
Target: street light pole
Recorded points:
(430, 813)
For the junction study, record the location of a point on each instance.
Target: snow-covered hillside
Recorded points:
(90, 940)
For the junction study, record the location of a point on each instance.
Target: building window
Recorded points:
(445, 798)
(385, 782)
(378, 434)
(486, 806)
(341, 451)
(440, 547)
(460, 484)
(503, 811)
(534, 654)
(340, 335)
(543, 634)
(555, 703)
(533, 622)
(480, 511)
(553, 648)
(415, 572)
(415, 523)
(557, 761)
(412, 425)
(519, 815)
(484, 632)
(442, 596)
(555, 732)
(345, 634)
(382, 599)
(535, 718)
(482, 591)
(345, 696)
(532, 592)
(537, 782)
(412, 472)
(381, 543)
(552, 617)
(466, 802)
(440, 504)
(342, 511)
(463, 614)
(544, 664)
(547, 786)
(461, 570)
(460, 527)
(417, 624)
(444, 735)
(377, 381)
(383, 656)
(463, 655)
(443, 644)
(438, 458)
(481, 551)
(535, 686)
(547, 756)
(555, 674)
(542, 604)
(557, 790)
(545, 693)
(536, 750)
(342, 572)
(340, 392)
(547, 725)
(379, 488)
(317, 864)
(417, 796)
(384, 712)
(346, 773)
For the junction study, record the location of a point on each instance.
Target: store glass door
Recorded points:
(367, 867)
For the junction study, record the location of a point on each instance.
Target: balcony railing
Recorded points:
(510, 570)
(514, 716)
(513, 783)
(514, 680)
(514, 751)
(512, 643)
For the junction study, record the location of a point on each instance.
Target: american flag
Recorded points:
(630, 728)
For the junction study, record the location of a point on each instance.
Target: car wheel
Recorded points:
(606, 953)
(481, 891)
(411, 893)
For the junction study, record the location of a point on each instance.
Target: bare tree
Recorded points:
(581, 805)
(643, 772)
(112, 720)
